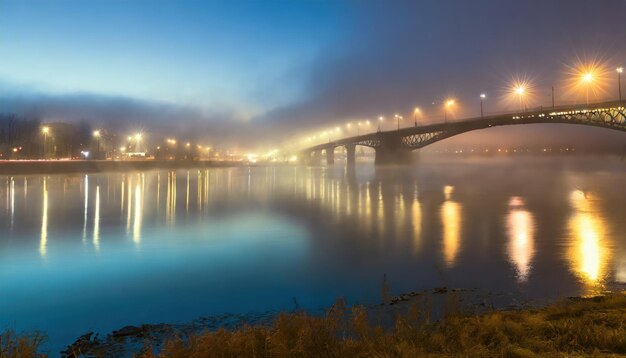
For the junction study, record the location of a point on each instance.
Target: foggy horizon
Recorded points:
(251, 75)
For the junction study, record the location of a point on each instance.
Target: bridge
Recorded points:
(394, 147)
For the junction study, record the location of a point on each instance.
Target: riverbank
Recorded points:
(25, 167)
(439, 322)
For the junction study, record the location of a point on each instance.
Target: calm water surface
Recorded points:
(98, 252)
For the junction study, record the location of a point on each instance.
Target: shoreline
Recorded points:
(29, 167)
(436, 306)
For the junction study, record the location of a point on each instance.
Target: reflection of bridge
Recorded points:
(395, 146)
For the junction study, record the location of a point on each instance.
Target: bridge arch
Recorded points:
(394, 147)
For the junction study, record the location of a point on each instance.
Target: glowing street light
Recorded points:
(448, 104)
(45, 130)
(520, 91)
(97, 135)
(587, 79)
(398, 118)
(619, 81)
(416, 111)
(380, 120)
(482, 97)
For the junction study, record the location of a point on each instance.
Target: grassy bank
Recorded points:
(573, 327)
(595, 326)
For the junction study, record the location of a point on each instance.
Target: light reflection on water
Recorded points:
(589, 246)
(521, 231)
(172, 246)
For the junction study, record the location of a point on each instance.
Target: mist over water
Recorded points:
(98, 252)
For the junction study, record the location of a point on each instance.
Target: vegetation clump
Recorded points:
(573, 327)
(20, 346)
(595, 326)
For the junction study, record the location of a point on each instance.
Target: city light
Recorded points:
(96, 133)
(45, 130)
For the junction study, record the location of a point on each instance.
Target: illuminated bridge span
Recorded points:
(394, 147)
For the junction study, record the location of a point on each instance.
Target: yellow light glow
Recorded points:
(45, 129)
(587, 79)
(450, 102)
(138, 136)
(451, 220)
(96, 133)
(588, 252)
(521, 232)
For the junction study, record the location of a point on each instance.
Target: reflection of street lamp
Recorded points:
(619, 81)
(482, 97)
(45, 130)
(96, 134)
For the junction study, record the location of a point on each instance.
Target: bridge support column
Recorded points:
(330, 156)
(351, 154)
(392, 152)
(316, 158)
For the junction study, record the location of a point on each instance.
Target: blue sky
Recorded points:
(198, 53)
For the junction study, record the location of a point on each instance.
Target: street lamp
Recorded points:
(587, 79)
(449, 103)
(520, 90)
(96, 134)
(380, 121)
(619, 81)
(398, 118)
(482, 97)
(416, 111)
(45, 130)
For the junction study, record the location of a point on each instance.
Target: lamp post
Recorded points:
(96, 134)
(520, 91)
(587, 80)
(416, 111)
(449, 103)
(398, 118)
(380, 121)
(482, 97)
(619, 81)
(45, 130)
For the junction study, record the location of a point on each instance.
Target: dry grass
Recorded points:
(595, 327)
(15, 346)
(582, 327)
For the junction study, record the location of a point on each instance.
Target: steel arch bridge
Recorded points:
(394, 147)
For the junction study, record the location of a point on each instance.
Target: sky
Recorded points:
(256, 73)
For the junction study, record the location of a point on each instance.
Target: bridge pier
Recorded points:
(316, 158)
(392, 152)
(351, 154)
(330, 156)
